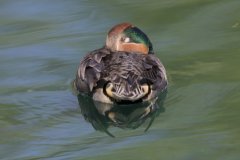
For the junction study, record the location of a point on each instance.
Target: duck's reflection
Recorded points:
(103, 115)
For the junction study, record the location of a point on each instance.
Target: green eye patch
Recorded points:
(137, 36)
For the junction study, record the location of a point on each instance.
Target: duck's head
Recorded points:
(128, 38)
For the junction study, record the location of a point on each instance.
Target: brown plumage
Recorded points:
(114, 74)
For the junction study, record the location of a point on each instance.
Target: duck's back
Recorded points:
(120, 76)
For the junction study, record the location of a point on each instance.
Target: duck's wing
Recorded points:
(89, 70)
(155, 74)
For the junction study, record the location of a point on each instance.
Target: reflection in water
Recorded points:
(103, 115)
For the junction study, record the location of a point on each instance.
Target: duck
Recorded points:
(124, 71)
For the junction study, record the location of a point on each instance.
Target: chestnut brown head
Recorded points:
(128, 38)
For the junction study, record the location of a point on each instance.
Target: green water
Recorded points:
(41, 43)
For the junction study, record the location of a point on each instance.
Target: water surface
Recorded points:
(41, 43)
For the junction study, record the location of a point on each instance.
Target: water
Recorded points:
(41, 43)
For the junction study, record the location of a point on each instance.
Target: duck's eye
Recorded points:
(126, 39)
